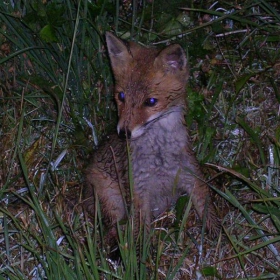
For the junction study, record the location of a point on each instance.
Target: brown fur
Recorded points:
(163, 163)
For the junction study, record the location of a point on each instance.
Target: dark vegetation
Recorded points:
(56, 104)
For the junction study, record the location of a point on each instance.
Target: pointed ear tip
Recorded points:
(175, 48)
(181, 48)
(108, 34)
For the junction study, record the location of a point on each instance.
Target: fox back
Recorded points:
(150, 96)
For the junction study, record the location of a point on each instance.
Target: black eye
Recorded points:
(151, 102)
(121, 96)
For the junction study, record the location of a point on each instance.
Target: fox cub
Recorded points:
(150, 96)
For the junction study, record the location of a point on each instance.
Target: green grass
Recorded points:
(56, 104)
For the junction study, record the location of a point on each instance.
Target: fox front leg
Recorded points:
(103, 188)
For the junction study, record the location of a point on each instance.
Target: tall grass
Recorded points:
(56, 104)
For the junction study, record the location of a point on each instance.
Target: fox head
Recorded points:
(149, 83)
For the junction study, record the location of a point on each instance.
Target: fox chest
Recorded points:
(157, 172)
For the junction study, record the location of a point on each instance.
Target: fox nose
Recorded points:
(125, 133)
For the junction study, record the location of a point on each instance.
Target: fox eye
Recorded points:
(151, 102)
(121, 96)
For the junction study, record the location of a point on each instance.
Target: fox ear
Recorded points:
(171, 59)
(118, 51)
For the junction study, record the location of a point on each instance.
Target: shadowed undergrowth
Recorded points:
(56, 105)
